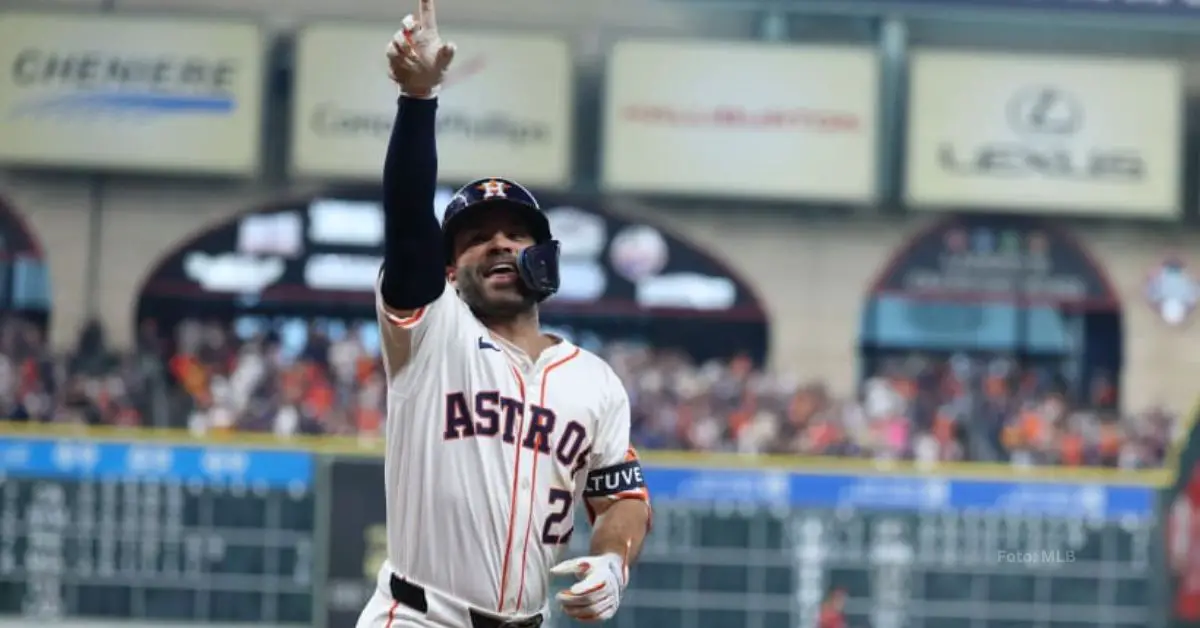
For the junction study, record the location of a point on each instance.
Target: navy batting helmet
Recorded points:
(538, 264)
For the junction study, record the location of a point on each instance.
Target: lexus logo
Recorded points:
(1044, 110)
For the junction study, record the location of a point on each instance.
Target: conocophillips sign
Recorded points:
(163, 95)
(1069, 134)
(506, 107)
(766, 121)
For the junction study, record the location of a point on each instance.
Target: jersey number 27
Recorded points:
(560, 505)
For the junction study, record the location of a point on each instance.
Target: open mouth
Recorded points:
(502, 270)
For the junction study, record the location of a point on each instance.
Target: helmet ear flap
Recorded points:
(538, 267)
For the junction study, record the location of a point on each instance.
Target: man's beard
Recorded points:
(507, 305)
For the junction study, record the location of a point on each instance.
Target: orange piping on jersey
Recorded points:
(405, 322)
(534, 486)
(520, 381)
(392, 614)
(512, 500)
(551, 367)
(529, 522)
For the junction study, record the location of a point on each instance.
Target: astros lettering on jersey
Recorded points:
(488, 453)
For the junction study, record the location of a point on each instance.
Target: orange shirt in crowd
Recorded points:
(364, 369)
(192, 376)
(824, 435)
(1110, 440)
(742, 417)
(1033, 428)
(1071, 448)
(29, 376)
(319, 397)
(368, 420)
(943, 428)
(995, 387)
(904, 387)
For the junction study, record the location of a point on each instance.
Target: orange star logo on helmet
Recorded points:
(494, 189)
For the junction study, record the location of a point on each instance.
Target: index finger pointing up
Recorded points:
(427, 14)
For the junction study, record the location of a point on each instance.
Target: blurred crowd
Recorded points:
(916, 407)
(207, 376)
(90, 386)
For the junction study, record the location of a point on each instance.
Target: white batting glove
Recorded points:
(417, 56)
(597, 595)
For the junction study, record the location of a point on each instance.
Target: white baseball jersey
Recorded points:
(488, 454)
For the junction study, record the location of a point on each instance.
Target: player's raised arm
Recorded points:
(413, 274)
(619, 505)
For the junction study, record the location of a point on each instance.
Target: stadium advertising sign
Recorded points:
(320, 257)
(800, 124)
(997, 258)
(334, 243)
(1111, 9)
(1065, 134)
(158, 95)
(987, 282)
(1116, 8)
(507, 100)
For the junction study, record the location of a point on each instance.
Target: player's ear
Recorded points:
(451, 274)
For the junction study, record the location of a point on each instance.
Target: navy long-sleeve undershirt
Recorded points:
(414, 258)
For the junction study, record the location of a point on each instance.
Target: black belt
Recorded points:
(413, 596)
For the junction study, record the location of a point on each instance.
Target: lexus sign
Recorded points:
(1046, 118)
(1069, 135)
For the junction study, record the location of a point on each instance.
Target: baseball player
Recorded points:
(496, 432)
